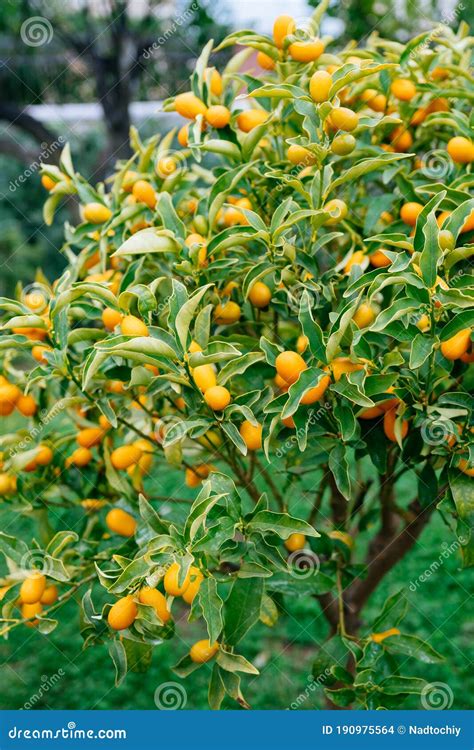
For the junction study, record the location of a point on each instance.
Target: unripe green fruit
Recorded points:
(343, 144)
(446, 240)
(201, 225)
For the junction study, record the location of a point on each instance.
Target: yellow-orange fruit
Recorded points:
(378, 259)
(337, 209)
(289, 365)
(216, 84)
(32, 588)
(342, 536)
(205, 377)
(343, 118)
(218, 116)
(302, 343)
(389, 425)
(80, 457)
(50, 595)
(320, 85)
(282, 27)
(251, 435)
(6, 484)
(371, 413)
(401, 139)
(44, 455)
(90, 436)
(316, 393)
(111, 318)
(217, 397)
(250, 119)
(227, 313)
(26, 405)
(461, 150)
(260, 294)
(144, 193)
(47, 182)
(295, 542)
(306, 51)
(28, 611)
(9, 395)
(465, 468)
(343, 365)
(189, 105)
(409, 212)
(265, 61)
(403, 89)
(96, 213)
(154, 598)
(171, 580)
(195, 580)
(133, 326)
(364, 315)
(183, 136)
(195, 475)
(121, 522)
(457, 345)
(300, 155)
(123, 613)
(203, 651)
(125, 456)
(38, 352)
(379, 637)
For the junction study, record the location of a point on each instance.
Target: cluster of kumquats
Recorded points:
(304, 239)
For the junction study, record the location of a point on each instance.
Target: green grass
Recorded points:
(438, 611)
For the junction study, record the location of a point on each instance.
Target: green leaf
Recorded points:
(431, 253)
(186, 314)
(393, 612)
(216, 693)
(362, 168)
(282, 524)
(231, 662)
(242, 609)
(151, 517)
(411, 645)
(339, 467)
(211, 604)
(61, 540)
(421, 348)
(463, 495)
(119, 658)
(147, 241)
(311, 329)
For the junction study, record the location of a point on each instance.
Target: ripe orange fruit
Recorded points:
(144, 193)
(403, 89)
(9, 395)
(377, 102)
(183, 136)
(343, 118)
(282, 27)
(289, 365)
(316, 393)
(389, 425)
(96, 213)
(461, 150)
(6, 484)
(215, 81)
(171, 580)
(295, 542)
(379, 637)
(195, 580)
(203, 651)
(265, 61)
(218, 116)
(133, 326)
(154, 598)
(337, 209)
(205, 377)
(38, 352)
(300, 155)
(32, 588)
(125, 456)
(401, 139)
(409, 212)
(227, 313)
(302, 344)
(251, 435)
(342, 536)
(457, 345)
(465, 468)
(378, 259)
(190, 106)
(371, 413)
(50, 595)
(260, 294)
(80, 457)
(194, 476)
(217, 397)
(123, 613)
(306, 51)
(90, 436)
(320, 85)
(47, 182)
(44, 455)
(356, 259)
(121, 522)
(26, 405)
(342, 365)
(111, 318)
(251, 118)
(29, 611)
(364, 315)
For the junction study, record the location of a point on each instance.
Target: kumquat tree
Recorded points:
(275, 301)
